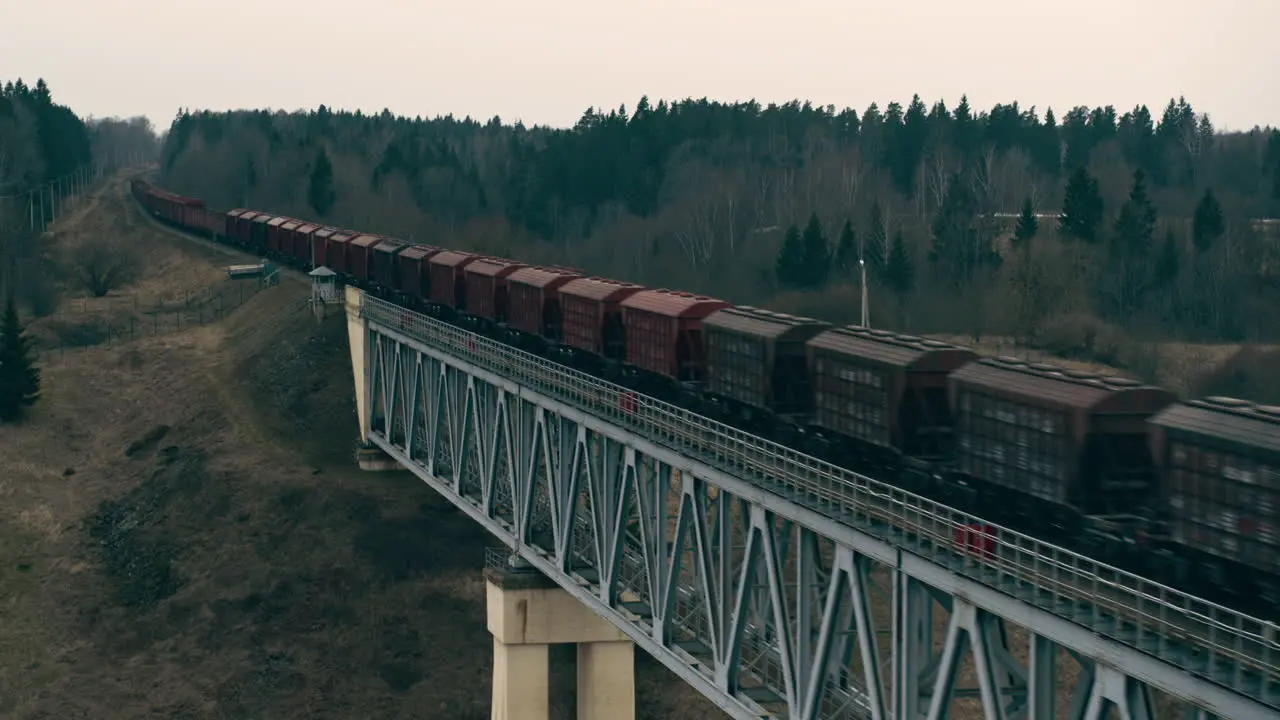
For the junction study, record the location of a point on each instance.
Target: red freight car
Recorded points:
(1221, 480)
(486, 280)
(320, 245)
(274, 240)
(243, 223)
(336, 253)
(359, 261)
(533, 295)
(287, 241)
(448, 287)
(415, 276)
(664, 332)
(304, 242)
(385, 258)
(592, 309)
(258, 232)
(884, 389)
(756, 357)
(1060, 439)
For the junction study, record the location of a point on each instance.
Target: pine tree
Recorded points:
(900, 271)
(320, 193)
(1207, 224)
(19, 377)
(1027, 227)
(816, 264)
(788, 266)
(1131, 248)
(875, 249)
(1081, 207)
(846, 258)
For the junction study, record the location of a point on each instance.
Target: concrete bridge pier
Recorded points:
(527, 613)
(368, 456)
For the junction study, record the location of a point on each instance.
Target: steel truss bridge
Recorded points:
(757, 573)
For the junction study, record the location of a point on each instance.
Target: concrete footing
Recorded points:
(370, 458)
(527, 613)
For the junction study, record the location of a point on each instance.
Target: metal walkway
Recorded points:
(755, 572)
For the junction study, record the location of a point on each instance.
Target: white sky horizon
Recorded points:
(545, 64)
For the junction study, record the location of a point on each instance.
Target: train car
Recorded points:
(415, 275)
(385, 272)
(592, 322)
(448, 289)
(664, 336)
(287, 230)
(534, 315)
(320, 245)
(336, 251)
(304, 243)
(887, 393)
(359, 258)
(244, 222)
(486, 280)
(1220, 480)
(258, 232)
(275, 241)
(756, 364)
(1052, 448)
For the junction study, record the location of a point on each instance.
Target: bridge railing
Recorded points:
(1048, 576)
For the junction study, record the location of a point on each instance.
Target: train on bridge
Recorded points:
(1186, 493)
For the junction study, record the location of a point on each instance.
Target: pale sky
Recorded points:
(545, 62)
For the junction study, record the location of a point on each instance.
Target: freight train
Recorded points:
(1187, 493)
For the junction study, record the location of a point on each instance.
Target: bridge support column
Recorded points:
(369, 457)
(527, 612)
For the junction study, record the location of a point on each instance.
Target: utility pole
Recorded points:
(866, 311)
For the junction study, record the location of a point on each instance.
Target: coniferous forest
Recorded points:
(1052, 229)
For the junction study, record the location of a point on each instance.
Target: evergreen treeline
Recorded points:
(700, 195)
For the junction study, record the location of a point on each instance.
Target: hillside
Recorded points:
(184, 533)
(1007, 222)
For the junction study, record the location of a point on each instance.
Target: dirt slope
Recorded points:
(183, 533)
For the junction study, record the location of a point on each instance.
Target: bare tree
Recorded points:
(102, 265)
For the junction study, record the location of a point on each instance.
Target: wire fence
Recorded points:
(92, 322)
(34, 209)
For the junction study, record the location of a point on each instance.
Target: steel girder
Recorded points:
(757, 600)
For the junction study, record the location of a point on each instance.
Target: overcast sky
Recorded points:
(544, 62)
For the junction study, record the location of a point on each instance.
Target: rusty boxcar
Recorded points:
(664, 332)
(359, 258)
(756, 358)
(415, 276)
(448, 286)
(486, 280)
(232, 224)
(1220, 462)
(304, 243)
(336, 253)
(258, 231)
(533, 295)
(386, 258)
(1067, 443)
(320, 245)
(884, 389)
(591, 308)
(274, 239)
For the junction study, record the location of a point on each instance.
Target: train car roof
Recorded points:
(306, 228)
(451, 258)
(237, 212)
(886, 348)
(494, 267)
(673, 303)
(278, 220)
(292, 225)
(542, 277)
(1043, 384)
(600, 289)
(758, 322)
(366, 241)
(263, 218)
(418, 252)
(1228, 419)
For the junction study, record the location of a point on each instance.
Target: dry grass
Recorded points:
(183, 532)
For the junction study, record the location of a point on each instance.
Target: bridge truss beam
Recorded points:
(757, 596)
